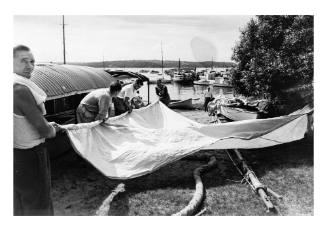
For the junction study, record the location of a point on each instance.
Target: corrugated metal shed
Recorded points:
(64, 80)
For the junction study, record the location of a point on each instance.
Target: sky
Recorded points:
(130, 37)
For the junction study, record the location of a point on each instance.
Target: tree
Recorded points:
(274, 56)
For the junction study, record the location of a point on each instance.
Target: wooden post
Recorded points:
(258, 187)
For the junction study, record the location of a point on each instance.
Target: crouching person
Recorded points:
(123, 102)
(96, 105)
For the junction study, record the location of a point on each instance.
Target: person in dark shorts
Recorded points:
(207, 98)
(32, 183)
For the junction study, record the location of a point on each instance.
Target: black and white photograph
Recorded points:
(163, 114)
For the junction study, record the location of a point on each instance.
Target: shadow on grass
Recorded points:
(290, 155)
(78, 188)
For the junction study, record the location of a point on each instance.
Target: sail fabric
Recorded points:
(138, 143)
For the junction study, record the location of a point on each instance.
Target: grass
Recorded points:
(79, 189)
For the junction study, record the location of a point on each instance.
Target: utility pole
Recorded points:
(103, 61)
(162, 72)
(63, 37)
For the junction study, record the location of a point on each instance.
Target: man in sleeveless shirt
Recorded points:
(97, 104)
(31, 161)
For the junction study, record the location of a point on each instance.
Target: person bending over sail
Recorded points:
(96, 105)
(123, 103)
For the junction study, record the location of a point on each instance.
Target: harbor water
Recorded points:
(179, 91)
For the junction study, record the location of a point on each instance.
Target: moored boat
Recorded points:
(178, 77)
(222, 82)
(181, 104)
(154, 76)
(204, 82)
(237, 113)
(233, 109)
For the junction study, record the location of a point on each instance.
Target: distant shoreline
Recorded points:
(153, 64)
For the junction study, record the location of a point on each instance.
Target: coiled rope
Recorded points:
(198, 195)
(192, 206)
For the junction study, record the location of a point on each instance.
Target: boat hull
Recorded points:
(177, 79)
(204, 83)
(221, 85)
(181, 104)
(237, 114)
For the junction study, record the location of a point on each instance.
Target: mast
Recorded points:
(162, 61)
(63, 38)
(179, 65)
(102, 60)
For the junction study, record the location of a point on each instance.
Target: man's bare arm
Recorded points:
(24, 104)
(104, 104)
(128, 104)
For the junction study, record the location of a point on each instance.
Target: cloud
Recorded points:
(203, 49)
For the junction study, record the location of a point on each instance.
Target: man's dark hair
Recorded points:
(139, 82)
(115, 86)
(20, 48)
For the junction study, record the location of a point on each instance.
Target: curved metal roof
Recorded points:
(64, 80)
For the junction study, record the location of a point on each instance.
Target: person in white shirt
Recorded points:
(207, 98)
(122, 102)
(32, 183)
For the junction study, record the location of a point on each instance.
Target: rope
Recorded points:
(198, 195)
(279, 142)
(201, 212)
(103, 210)
(245, 176)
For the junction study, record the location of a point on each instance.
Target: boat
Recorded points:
(222, 81)
(154, 76)
(206, 79)
(204, 82)
(66, 86)
(178, 77)
(233, 109)
(166, 79)
(126, 77)
(237, 113)
(183, 75)
(181, 104)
